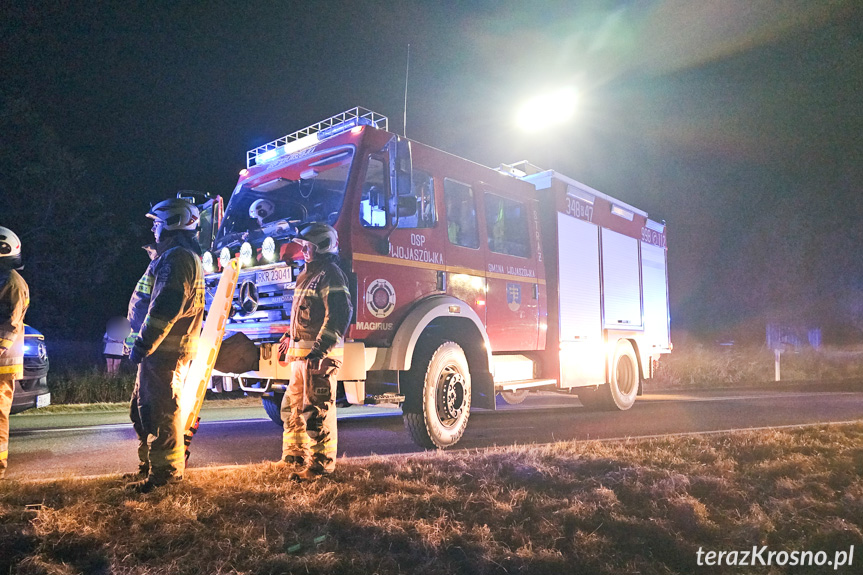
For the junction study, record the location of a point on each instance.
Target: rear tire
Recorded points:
(273, 406)
(439, 380)
(514, 397)
(619, 394)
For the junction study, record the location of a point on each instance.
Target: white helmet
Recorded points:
(10, 249)
(175, 214)
(323, 236)
(261, 209)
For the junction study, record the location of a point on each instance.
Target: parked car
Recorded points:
(32, 390)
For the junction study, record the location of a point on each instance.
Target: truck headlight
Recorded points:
(247, 257)
(225, 257)
(268, 249)
(208, 263)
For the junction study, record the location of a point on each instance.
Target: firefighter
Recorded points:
(320, 315)
(165, 313)
(260, 210)
(14, 299)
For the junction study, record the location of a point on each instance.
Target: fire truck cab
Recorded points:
(467, 281)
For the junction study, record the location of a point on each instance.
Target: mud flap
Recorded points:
(483, 390)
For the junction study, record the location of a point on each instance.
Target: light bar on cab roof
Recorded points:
(315, 133)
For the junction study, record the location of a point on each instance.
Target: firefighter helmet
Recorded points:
(261, 209)
(10, 249)
(175, 214)
(323, 236)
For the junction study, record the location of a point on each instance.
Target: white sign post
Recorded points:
(777, 353)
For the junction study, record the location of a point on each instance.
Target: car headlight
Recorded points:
(268, 249)
(247, 257)
(225, 257)
(208, 263)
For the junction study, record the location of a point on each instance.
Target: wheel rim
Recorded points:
(626, 380)
(450, 396)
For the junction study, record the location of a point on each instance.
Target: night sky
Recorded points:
(737, 122)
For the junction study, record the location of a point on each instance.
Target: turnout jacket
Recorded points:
(14, 300)
(167, 307)
(321, 310)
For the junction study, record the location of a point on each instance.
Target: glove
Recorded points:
(136, 355)
(284, 344)
(314, 359)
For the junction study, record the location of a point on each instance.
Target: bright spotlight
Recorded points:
(547, 110)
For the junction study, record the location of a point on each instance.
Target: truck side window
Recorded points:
(422, 194)
(373, 204)
(460, 214)
(507, 226)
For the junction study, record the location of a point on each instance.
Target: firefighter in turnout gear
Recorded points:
(320, 315)
(14, 299)
(165, 313)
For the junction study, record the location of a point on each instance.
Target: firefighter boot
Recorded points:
(294, 462)
(152, 482)
(308, 474)
(142, 473)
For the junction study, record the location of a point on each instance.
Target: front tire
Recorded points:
(273, 406)
(437, 415)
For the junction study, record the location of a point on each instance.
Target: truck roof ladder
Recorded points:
(325, 128)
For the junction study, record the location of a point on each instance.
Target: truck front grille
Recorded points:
(269, 319)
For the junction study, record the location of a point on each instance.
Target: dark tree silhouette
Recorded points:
(70, 242)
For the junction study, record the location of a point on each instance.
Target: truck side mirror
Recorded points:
(401, 168)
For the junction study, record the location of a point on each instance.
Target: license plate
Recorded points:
(43, 400)
(273, 276)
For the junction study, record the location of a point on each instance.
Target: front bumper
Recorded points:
(30, 393)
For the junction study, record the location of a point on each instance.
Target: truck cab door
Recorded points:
(212, 212)
(512, 264)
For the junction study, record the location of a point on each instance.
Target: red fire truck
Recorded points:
(468, 282)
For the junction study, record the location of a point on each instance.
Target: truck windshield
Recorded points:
(297, 191)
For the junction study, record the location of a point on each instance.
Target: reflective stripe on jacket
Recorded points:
(140, 301)
(14, 300)
(175, 312)
(321, 311)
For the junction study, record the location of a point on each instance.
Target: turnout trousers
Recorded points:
(155, 414)
(309, 414)
(7, 387)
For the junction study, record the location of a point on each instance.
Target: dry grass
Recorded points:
(697, 365)
(91, 385)
(592, 508)
(213, 400)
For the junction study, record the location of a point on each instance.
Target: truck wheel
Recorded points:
(624, 377)
(514, 397)
(440, 376)
(273, 407)
(620, 392)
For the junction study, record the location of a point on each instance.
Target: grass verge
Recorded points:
(212, 401)
(699, 366)
(583, 508)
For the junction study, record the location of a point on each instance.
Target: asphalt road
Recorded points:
(49, 446)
